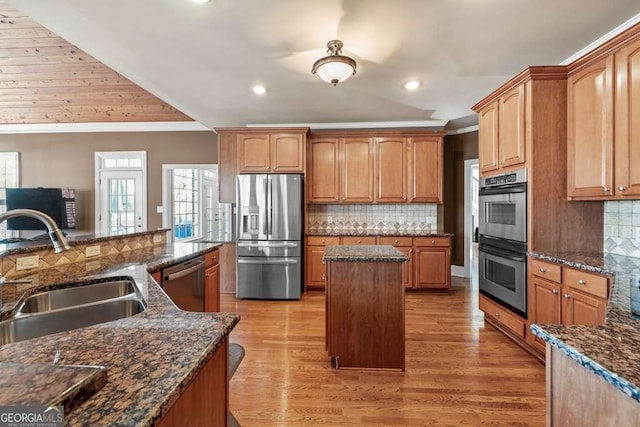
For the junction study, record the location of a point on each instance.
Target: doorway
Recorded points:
(471, 212)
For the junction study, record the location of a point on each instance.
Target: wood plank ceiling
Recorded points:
(45, 79)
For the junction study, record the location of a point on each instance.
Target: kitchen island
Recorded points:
(365, 307)
(157, 362)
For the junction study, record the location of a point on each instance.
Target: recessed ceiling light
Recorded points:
(412, 85)
(200, 1)
(259, 90)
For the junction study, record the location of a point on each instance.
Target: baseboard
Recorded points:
(458, 271)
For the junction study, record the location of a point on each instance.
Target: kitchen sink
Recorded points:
(30, 326)
(69, 297)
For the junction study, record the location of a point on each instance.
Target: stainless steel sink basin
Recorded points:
(50, 322)
(69, 297)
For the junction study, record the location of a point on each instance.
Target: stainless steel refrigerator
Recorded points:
(269, 238)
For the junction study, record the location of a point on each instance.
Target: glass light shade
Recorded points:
(335, 71)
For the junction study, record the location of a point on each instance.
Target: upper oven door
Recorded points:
(503, 212)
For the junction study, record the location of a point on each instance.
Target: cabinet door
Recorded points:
(590, 131)
(580, 309)
(391, 170)
(287, 152)
(488, 138)
(511, 131)
(323, 177)
(315, 267)
(407, 267)
(212, 288)
(433, 268)
(425, 170)
(254, 153)
(227, 166)
(357, 170)
(627, 128)
(544, 306)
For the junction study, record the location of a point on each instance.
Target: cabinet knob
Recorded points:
(605, 189)
(324, 277)
(359, 241)
(395, 241)
(567, 296)
(554, 291)
(433, 242)
(497, 314)
(542, 270)
(582, 282)
(621, 188)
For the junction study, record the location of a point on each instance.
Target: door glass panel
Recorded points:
(500, 274)
(500, 213)
(121, 206)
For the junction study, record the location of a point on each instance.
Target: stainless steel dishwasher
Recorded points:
(184, 284)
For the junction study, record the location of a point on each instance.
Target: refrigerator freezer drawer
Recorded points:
(268, 248)
(269, 278)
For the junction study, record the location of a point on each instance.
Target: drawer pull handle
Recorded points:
(567, 296)
(395, 241)
(433, 242)
(554, 291)
(497, 314)
(582, 282)
(605, 189)
(542, 270)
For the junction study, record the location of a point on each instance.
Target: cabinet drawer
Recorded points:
(322, 240)
(432, 241)
(358, 240)
(502, 315)
(395, 241)
(212, 258)
(546, 270)
(589, 283)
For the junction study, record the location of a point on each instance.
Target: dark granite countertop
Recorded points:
(611, 350)
(402, 233)
(377, 253)
(150, 358)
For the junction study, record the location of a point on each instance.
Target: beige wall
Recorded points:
(67, 160)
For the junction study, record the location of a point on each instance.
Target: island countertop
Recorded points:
(609, 350)
(150, 358)
(375, 253)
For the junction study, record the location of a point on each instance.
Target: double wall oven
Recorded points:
(503, 239)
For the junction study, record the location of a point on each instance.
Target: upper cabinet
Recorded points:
(365, 168)
(603, 119)
(501, 135)
(271, 152)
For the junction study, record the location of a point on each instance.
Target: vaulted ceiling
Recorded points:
(203, 59)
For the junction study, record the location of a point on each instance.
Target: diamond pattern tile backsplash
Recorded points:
(383, 219)
(622, 228)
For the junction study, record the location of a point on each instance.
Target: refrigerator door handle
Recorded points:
(268, 245)
(274, 261)
(269, 206)
(265, 223)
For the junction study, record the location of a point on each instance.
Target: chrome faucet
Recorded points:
(57, 238)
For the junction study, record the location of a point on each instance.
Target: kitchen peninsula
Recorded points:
(157, 362)
(365, 307)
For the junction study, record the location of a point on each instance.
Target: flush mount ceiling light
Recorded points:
(334, 68)
(200, 1)
(412, 85)
(259, 90)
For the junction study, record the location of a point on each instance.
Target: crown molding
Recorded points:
(359, 125)
(467, 129)
(102, 127)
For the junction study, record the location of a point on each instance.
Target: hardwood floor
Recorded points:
(458, 371)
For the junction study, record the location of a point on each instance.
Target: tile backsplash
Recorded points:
(379, 218)
(622, 228)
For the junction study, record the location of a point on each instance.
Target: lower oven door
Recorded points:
(503, 276)
(269, 277)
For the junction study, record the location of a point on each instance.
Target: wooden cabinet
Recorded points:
(425, 169)
(391, 170)
(564, 295)
(271, 152)
(432, 263)
(590, 131)
(502, 131)
(604, 125)
(357, 170)
(212, 281)
(405, 245)
(365, 168)
(358, 240)
(204, 402)
(314, 265)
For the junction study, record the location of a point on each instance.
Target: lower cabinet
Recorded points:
(559, 294)
(503, 316)
(429, 265)
(205, 402)
(212, 281)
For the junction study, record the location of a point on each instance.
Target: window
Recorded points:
(9, 178)
(186, 203)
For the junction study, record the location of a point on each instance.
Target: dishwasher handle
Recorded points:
(185, 272)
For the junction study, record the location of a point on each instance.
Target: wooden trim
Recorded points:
(269, 130)
(346, 133)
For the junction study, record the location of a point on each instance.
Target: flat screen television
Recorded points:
(58, 203)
